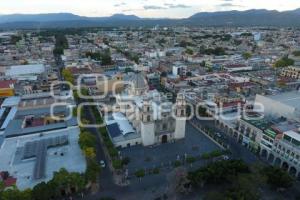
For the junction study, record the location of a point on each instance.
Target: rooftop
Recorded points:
(69, 157)
(288, 98)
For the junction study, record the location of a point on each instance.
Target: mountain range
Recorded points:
(225, 18)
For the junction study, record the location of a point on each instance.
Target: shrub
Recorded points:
(140, 173)
(177, 163)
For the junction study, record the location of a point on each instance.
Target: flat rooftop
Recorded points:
(288, 98)
(67, 156)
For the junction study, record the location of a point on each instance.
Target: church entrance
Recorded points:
(164, 139)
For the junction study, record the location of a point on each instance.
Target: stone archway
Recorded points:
(164, 139)
(293, 171)
(264, 154)
(277, 162)
(231, 132)
(222, 126)
(235, 135)
(248, 130)
(271, 158)
(240, 139)
(285, 166)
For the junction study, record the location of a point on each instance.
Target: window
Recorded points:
(182, 112)
(165, 127)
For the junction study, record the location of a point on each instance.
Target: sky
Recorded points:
(141, 8)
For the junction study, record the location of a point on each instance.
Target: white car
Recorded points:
(102, 163)
(219, 135)
(225, 157)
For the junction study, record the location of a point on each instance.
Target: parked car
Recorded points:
(102, 163)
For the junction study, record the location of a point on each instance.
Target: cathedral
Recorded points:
(145, 116)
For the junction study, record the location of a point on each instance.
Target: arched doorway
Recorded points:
(271, 158)
(293, 171)
(277, 162)
(285, 166)
(164, 139)
(264, 154)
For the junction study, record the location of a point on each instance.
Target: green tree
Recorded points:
(189, 74)
(93, 171)
(125, 161)
(247, 55)
(189, 51)
(284, 62)
(296, 53)
(117, 164)
(86, 139)
(68, 76)
(90, 153)
(140, 173)
(15, 39)
(42, 191)
(278, 178)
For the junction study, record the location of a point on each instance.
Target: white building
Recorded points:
(281, 105)
(25, 72)
(146, 117)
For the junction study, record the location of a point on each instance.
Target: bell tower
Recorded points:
(147, 123)
(180, 114)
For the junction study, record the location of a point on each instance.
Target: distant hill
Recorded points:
(225, 18)
(248, 18)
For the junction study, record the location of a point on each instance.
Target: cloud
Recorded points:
(166, 6)
(229, 5)
(169, 5)
(120, 4)
(152, 7)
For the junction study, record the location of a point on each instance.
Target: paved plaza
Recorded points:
(194, 144)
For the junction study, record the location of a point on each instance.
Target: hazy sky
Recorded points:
(142, 8)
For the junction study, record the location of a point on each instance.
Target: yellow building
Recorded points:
(7, 88)
(109, 85)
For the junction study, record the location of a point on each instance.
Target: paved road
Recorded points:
(106, 174)
(238, 151)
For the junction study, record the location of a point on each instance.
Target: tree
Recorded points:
(178, 182)
(15, 194)
(86, 139)
(247, 55)
(2, 186)
(117, 164)
(277, 178)
(106, 57)
(296, 53)
(189, 74)
(140, 173)
(15, 39)
(218, 172)
(284, 62)
(125, 161)
(92, 172)
(42, 192)
(190, 159)
(61, 43)
(68, 76)
(90, 153)
(189, 51)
